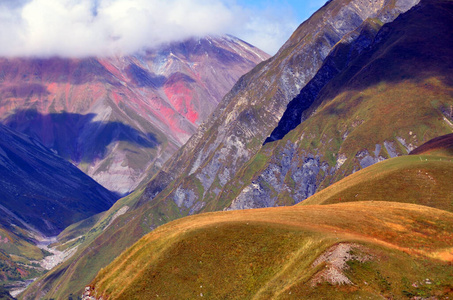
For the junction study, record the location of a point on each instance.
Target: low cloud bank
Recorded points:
(79, 28)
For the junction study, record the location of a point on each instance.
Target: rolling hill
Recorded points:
(384, 231)
(347, 250)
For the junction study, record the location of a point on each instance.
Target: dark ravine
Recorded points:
(40, 195)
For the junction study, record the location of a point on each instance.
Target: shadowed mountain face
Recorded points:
(120, 118)
(63, 132)
(40, 195)
(40, 190)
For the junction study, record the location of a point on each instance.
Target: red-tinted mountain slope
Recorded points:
(120, 118)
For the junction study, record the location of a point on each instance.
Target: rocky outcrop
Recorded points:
(291, 172)
(88, 294)
(335, 259)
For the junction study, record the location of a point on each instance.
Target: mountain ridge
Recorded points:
(242, 121)
(358, 119)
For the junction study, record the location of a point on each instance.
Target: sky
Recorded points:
(81, 28)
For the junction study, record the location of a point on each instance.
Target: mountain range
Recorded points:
(330, 128)
(120, 118)
(245, 119)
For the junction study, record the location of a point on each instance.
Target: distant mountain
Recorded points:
(195, 177)
(120, 118)
(383, 232)
(40, 191)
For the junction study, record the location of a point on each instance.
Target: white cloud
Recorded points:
(104, 27)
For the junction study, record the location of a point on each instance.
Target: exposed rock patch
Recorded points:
(120, 212)
(57, 257)
(88, 294)
(336, 258)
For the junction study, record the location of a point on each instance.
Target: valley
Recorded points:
(107, 116)
(220, 172)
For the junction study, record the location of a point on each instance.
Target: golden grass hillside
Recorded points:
(385, 231)
(347, 250)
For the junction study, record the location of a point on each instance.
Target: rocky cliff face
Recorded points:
(248, 114)
(379, 105)
(120, 118)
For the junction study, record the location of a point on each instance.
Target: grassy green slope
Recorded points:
(400, 88)
(269, 253)
(424, 177)
(18, 257)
